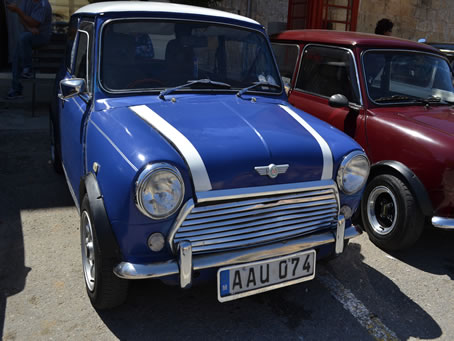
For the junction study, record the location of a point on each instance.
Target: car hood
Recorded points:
(440, 117)
(222, 139)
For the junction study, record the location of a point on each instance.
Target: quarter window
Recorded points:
(327, 71)
(72, 31)
(80, 67)
(286, 56)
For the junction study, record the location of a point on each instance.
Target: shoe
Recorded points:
(27, 73)
(14, 94)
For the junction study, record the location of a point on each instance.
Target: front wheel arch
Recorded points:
(104, 288)
(104, 233)
(406, 175)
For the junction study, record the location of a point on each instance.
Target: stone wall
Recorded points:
(413, 19)
(272, 14)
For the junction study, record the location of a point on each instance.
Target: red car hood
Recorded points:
(439, 117)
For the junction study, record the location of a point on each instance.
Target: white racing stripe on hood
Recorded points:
(181, 143)
(327, 172)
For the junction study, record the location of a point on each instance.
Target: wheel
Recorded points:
(391, 215)
(104, 289)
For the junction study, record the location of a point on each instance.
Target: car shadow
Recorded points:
(156, 311)
(382, 297)
(27, 182)
(432, 253)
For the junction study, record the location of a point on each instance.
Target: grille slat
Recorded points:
(251, 218)
(189, 222)
(276, 203)
(200, 230)
(282, 221)
(262, 233)
(217, 226)
(260, 200)
(244, 243)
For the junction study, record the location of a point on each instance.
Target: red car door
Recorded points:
(325, 71)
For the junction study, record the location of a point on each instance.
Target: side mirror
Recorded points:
(338, 101)
(71, 88)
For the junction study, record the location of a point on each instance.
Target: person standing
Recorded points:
(36, 17)
(384, 27)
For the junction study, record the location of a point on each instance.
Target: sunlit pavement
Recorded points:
(364, 294)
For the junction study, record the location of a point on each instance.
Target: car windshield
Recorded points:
(407, 77)
(153, 55)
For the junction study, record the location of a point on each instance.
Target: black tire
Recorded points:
(55, 149)
(106, 289)
(391, 216)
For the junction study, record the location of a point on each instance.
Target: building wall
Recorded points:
(272, 14)
(413, 19)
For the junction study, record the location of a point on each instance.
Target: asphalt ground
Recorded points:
(365, 294)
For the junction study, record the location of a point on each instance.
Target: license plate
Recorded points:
(252, 278)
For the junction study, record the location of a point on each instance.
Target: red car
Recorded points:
(395, 98)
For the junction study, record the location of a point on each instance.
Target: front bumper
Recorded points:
(443, 223)
(186, 264)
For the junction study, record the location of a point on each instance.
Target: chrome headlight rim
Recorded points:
(142, 180)
(340, 174)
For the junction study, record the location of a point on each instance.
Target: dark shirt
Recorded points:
(41, 11)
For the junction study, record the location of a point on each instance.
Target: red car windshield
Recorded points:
(407, 76)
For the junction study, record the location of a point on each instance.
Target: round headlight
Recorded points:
(159, 190)
(353, 172)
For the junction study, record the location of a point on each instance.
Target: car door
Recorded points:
(73, 111)
(325, 71)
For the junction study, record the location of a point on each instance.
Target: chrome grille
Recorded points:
(229, 224)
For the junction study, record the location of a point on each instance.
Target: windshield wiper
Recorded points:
(165, 92)
(402, 98)
(256, 84)
(394, 98)
(430, 99)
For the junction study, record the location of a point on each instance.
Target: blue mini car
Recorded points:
(186, 161)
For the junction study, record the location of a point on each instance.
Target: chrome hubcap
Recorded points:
(88, 252)
(382, 210)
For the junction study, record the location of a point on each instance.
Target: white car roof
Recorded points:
(148, 6)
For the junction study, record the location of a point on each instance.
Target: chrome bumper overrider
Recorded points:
(443, 223)
(187, 263)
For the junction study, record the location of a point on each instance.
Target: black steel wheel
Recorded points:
(391, 216)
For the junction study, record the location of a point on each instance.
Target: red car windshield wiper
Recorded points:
(402, 98)
(397, 98)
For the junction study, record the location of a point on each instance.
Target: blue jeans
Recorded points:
(23, 55)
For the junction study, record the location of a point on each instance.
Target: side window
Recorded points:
(327, 71)
(286, 57)
(80, 66)
(72, 32)
(83, 53)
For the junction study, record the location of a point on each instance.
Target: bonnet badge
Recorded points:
(272, 170)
